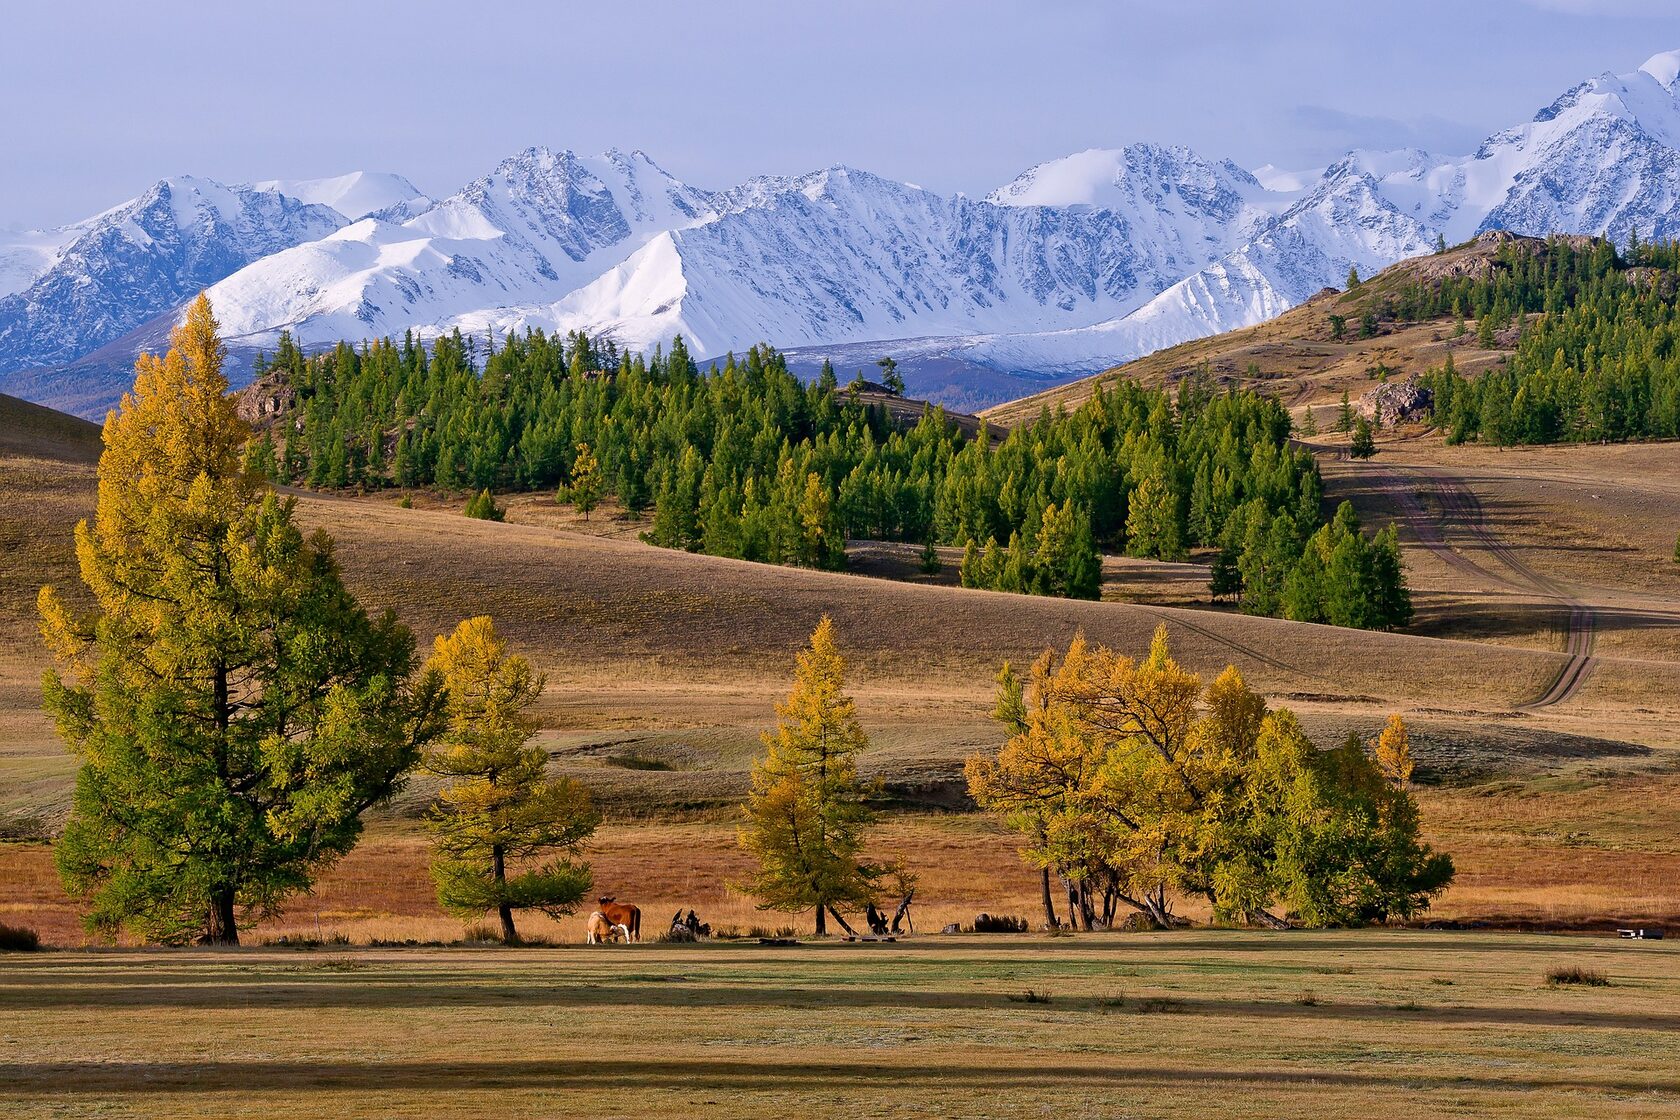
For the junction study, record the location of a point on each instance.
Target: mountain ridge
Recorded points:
(1075, 265)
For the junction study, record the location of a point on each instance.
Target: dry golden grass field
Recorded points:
(1565, 815)
(1209, 1024)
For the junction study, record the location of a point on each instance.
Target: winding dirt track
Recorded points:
(1461, 509)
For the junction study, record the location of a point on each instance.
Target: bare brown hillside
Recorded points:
(33, 430)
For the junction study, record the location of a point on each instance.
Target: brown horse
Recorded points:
(623, 914)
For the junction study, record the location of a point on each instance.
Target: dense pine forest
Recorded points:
(745, 460)
(1596, 353)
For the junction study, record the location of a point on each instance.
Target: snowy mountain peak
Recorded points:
(1110, 177)
(1665, 68)
(1077, 264)
(355, 195)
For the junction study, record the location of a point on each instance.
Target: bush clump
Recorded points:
(17, 939)
(1575, 974)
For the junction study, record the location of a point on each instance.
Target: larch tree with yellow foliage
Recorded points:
(805, 817)
(233, 708)
(1137, 785)
(1393, 752)
(499, 813)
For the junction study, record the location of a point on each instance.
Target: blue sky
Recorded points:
(103, 98)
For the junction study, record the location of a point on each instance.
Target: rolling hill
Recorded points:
(1296, 356)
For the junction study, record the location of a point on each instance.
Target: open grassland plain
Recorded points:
(1209, 1024)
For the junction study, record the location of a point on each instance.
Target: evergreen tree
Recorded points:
(584, 492)
(1344, 414)
(969, 573)
(1338, 327)
(1363, 445)
(1227, 575)
(890, 378)
(1066, 561)
(1353, 277)
(805, 818)
(929, 562)
(233, 709)
(1309, 423)
(482, 506)
(1152, 520)
(498, 810)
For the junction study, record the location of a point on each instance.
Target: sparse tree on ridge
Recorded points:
(233, 708)
(805, 816)
(890, 377)
(499, 814)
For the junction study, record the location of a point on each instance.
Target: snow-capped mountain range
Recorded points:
(1076, 265)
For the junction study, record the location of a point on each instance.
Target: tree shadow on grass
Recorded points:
(374, 995)
(108, 1079)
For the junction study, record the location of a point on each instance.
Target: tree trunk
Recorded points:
(220, 925)
(1049, 903)
(822, 923)
(1086, 918)
(1269, 920)
(498, 861)
(842, 920)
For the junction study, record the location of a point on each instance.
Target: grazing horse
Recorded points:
(623, 914)
(601, 930)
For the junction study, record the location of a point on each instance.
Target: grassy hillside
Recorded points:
(34, 431)
(1295, 356)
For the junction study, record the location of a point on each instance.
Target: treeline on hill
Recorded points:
(744, 460)
(1596, 356)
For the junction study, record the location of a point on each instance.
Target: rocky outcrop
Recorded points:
(1397, 402)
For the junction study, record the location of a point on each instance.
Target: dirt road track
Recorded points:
(1462, 510)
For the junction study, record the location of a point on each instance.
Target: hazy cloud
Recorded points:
(1339, 129)
(1634, 8)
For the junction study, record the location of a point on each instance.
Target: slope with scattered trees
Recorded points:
(743, 460)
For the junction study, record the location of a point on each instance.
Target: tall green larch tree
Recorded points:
(233, 708)
(507, 836)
